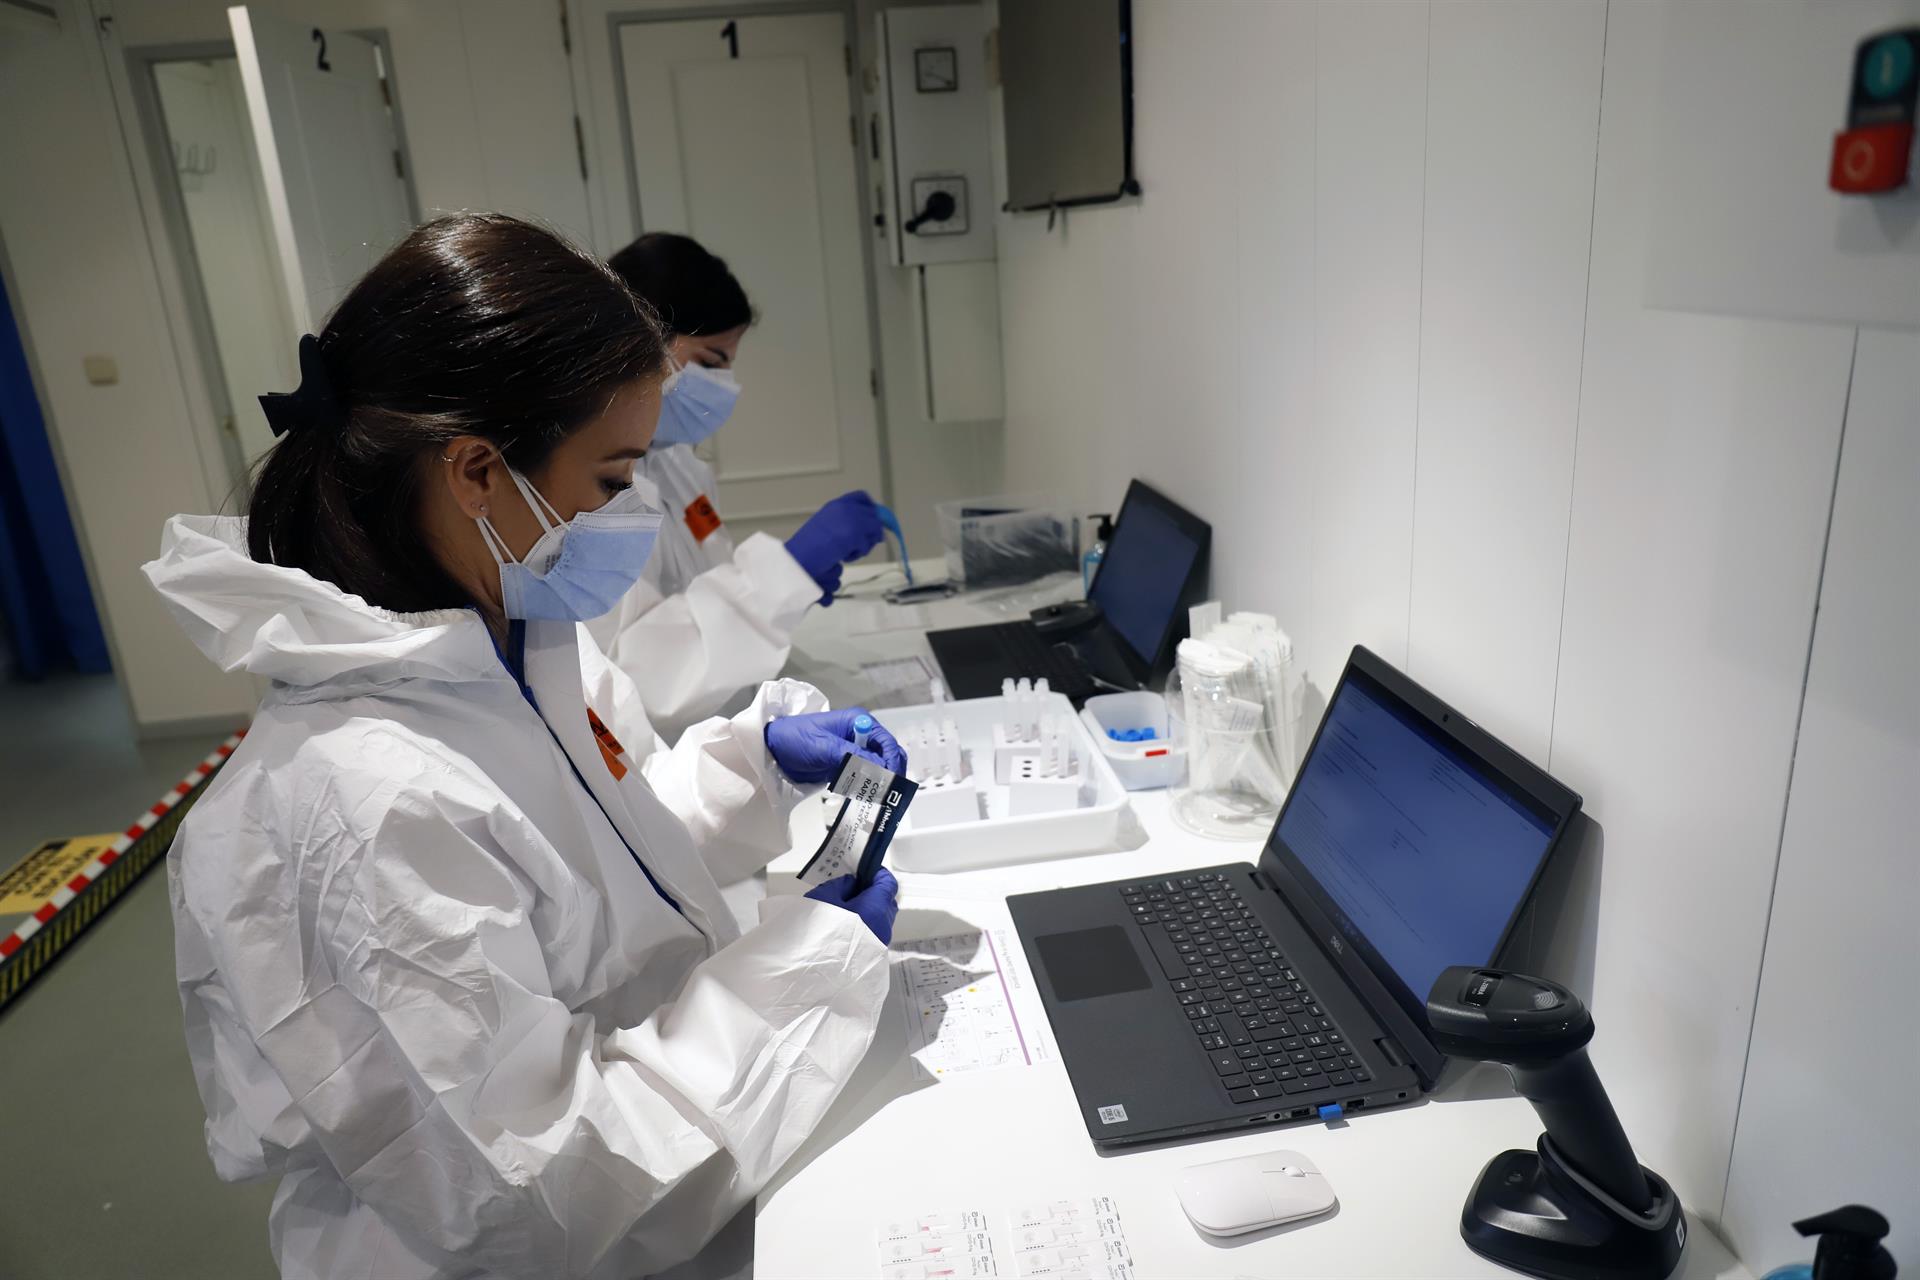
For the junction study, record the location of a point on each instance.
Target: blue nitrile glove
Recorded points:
(845, 529)
(808, 747)
(876, 905)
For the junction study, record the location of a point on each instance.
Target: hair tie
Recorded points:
(313, 404)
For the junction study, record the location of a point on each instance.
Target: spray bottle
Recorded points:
(1849, 1247)
(1090, 562)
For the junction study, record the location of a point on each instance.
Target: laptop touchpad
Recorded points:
(1091, 962)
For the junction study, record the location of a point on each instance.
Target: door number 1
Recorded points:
(731, 34)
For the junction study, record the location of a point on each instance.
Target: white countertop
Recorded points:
(901, 1144)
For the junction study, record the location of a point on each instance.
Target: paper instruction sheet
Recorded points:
(1077, 1239)
(1065, 1238)
(969, 1003)
(934, 1246)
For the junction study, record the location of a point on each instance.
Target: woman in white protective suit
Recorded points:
(450, 950)
(708, 618)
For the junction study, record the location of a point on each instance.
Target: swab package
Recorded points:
(875, 798)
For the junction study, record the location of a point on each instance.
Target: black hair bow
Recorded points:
(314, 404)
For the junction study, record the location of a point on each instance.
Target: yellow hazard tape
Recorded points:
(35, 877)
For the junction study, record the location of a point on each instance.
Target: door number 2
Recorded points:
(731, 34)
(320, 59)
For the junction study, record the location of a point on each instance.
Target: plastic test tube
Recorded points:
(863, 727)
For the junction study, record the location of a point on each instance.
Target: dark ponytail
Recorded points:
(690, 289)
(474, 325)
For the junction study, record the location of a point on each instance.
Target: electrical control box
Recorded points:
(928, 136)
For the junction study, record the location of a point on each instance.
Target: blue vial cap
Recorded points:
(863, 723)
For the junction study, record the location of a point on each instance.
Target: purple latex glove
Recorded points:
(808, 747)
(844, 529)
(876, 905)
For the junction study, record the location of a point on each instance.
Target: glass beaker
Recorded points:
(1234, 783)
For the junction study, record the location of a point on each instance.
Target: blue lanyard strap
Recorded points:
(514, 658)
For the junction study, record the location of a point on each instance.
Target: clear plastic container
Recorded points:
(1234, 783)
(1158, 761)
(1007, 540)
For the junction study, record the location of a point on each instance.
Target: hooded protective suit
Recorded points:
(708, 619)
(459, 971)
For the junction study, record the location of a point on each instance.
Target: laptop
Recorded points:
(1204, 1001)
(1154, 570)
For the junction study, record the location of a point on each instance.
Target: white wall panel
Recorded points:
(1828, 1115)
(1701, 483)
(1262, 457)
(82, 283)
(1186, 250)
(522, 118)
(1756, 93)
(1512, 122)
(1065, 320)
(1370, 167)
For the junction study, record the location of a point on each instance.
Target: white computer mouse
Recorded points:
(1232, 1197)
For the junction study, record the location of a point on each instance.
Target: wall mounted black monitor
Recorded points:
(1066, 71)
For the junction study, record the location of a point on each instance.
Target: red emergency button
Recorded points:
(1872, 158)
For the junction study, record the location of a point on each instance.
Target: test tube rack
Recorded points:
(938, 762)
(1002, 780)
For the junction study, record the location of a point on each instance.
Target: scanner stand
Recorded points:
(1535, 1213)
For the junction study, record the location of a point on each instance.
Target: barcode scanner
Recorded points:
(1580, 1206)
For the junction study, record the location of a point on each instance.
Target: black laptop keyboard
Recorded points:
(1254, 1017)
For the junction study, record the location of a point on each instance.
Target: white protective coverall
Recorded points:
(708, 619)
(425, 975)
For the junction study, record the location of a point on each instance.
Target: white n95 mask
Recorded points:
(696, 402)
(580, 568)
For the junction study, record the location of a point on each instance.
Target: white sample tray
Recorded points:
(1000, 838)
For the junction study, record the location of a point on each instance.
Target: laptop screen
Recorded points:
(1145, 569)
(1419, 852)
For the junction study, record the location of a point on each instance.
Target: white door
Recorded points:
(742, 138)
(329, 155)
(229, 249)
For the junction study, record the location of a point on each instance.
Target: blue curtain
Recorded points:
(45, 601)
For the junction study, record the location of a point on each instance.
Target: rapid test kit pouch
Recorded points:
(873, 801)
(1002, 780)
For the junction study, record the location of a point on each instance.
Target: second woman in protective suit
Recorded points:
(711, 618)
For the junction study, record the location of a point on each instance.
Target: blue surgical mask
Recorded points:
(580, 568)
(696, 403)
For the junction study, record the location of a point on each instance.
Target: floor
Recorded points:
(107, 1174)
